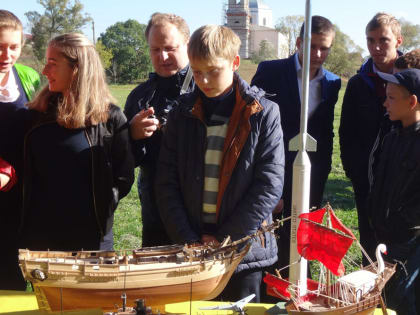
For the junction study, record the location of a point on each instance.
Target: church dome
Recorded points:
(257, 4)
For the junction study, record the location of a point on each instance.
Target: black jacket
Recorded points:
(251, 173)
(159, 93)
(112, 164)
(362, 118)
(394, 202)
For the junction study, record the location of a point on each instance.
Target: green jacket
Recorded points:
(29, 78)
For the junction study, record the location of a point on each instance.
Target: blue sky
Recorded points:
(351, 16)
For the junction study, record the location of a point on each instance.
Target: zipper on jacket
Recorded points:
(93, 186)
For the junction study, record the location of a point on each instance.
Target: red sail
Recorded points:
(337, 224)
(316, 242)
(277, 287)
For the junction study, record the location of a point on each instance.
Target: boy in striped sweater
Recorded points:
(221, 165)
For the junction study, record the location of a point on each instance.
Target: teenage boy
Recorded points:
(147, 107)
(409, 60)
(363, 120)
(220, 170)
(282, 80)
(394, 202)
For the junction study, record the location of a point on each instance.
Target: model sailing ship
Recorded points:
(335, 293)
(159, 275)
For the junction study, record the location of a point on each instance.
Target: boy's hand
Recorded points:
(143, 125)
(210, 240)
(279, 208)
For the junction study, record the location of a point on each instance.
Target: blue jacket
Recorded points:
(278, 79)
(251, 176)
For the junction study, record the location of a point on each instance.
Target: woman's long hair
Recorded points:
(88, 99)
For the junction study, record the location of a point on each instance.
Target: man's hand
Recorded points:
(142, 125)
(210, 240)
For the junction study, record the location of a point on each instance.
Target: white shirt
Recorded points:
(314, 87)
(10, 91)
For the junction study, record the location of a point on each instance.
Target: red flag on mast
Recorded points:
(317, 242)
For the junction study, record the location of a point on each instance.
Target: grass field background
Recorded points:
(338, 192)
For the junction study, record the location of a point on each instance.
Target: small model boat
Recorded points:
(335, 293)
(158, 275)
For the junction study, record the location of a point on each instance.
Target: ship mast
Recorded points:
(302, 143)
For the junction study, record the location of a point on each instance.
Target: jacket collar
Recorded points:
(412, 129)
(293, 80)
(245, 96)
(367, 73)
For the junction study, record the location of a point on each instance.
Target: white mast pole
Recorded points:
(301, 166)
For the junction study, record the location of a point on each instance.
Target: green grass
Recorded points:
(127, 224)
(338, 192)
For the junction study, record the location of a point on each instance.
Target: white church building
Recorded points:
(252, 20)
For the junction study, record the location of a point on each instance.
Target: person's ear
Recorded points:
(399, 41)
(413, 102)
(236, 63)
(75, 72)
(298, 43)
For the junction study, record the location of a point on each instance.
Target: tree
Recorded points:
(290, 26)
(411, 35)
(59, 17)
(345, 56)
(127, 42)
(266, 52)
(105, 54)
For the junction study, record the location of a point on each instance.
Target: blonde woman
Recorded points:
(77, 154)
(17, 86)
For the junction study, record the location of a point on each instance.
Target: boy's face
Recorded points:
(399, 104)
(214, 77)
(320, 48)
(10, 48)
(382, 45)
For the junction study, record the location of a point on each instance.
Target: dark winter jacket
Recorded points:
(362, 118)
(251, 172)
(394, 202)
(159, 93)
(112, 164)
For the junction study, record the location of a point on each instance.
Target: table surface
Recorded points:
(24, 303)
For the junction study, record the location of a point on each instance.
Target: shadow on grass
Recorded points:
(339, 193)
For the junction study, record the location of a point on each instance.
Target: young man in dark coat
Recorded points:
(281, 79)
(394, 201)
(220, 169)
(363, 120)
(147, 108)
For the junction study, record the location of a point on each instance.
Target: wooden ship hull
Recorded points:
(83, 280)
(365, 306)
